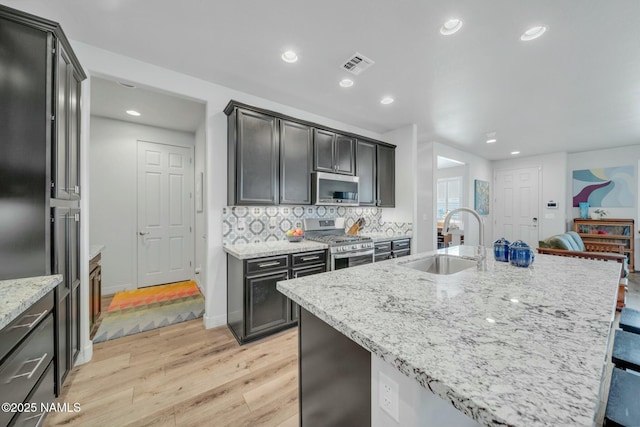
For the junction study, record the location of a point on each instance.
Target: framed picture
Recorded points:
(481, 196)
(604, 187)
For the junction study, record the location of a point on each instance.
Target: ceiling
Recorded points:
(112, 99)
(576, 88)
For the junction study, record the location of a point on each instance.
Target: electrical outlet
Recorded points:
(389, 396)
(242, 223)
(273, 222)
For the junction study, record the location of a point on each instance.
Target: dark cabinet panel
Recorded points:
(366, 171)
(73, 113)
(386, 171)
(63, 356)
(24, 152)
(257, 159)
(345, 155)
(266, 307)
(296, 156)
(323, 150)
(302, 272)
(95, 290)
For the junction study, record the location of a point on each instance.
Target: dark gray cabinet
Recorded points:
(296, 156)
(375, 165)
(392, 249)
(255, 308)
(66, 241)
(66, 119)
(253, 158)
(333, 152)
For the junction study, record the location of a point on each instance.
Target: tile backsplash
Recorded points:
(248, 224)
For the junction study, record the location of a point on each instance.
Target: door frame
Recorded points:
(538, 204)
(191, 216)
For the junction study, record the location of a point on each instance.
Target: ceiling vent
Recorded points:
(357, 63)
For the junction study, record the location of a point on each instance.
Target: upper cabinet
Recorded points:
(375, 165)
(271, 157)
(333, 152)
(66, 120)
(253, 158)
(296, 157)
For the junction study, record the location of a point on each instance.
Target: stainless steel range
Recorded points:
(345, 250)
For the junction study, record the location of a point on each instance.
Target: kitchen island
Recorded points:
(509, 346)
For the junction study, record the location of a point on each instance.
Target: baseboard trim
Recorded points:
(85, 354)
(214, 321)
(110, 290)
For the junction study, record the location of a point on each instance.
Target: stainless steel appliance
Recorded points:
(332, 189)
(344, 250)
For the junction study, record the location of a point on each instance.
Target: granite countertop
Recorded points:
(381, 237)
(94, 250)
(281, 247)
(509, 346)
(19, 294)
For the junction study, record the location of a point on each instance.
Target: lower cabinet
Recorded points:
(27, 353)
(95, 290)
(255, 308)
(392, 249)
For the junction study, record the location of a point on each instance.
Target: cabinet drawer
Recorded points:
(24, 366)
(382, 247)
(42, 394)
(11, 335)
(309, 258)
(398, 254)
(382, 257)
(267, 264)
(401, 244)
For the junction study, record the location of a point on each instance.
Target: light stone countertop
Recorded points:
(94, 250)
(281, 247)
(539, 363)
(381, 237)
(16, 295)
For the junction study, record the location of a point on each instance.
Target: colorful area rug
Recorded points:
(133, 312)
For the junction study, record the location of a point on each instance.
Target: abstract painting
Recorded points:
(481, 199)
(604, 187)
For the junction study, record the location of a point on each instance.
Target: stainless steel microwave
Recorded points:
(332, 189)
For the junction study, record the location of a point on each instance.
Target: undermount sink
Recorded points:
(441, 264)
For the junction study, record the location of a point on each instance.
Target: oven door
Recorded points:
(351, 259)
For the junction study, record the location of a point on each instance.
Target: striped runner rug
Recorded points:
(140, 310)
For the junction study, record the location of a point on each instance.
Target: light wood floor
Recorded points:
(185, 375)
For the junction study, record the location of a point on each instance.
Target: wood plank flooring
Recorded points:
(185, 375)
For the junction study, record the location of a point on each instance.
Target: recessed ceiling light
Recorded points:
(386, 100)
(513, 153)
(346, 82)
(514, 300)
(491, 137)
(451, 27)
(533, 33)
(127, 85)
(289, 56)
(490, 320)
(491, 140)
(133, 113)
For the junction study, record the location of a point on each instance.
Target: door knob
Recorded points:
(142, 233)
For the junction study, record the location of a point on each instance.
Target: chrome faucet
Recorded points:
(482, 251)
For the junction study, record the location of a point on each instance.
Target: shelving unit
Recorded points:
(608, 230)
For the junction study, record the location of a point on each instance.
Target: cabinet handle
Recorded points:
(401, 244)
(309, 258)
(269, 264)
(33, 371)
(143, 233)
(30, 325)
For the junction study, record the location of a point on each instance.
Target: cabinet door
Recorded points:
(366, 171)
(60, 158)
(344, 155)
(266, 307)
(73, 134)
(323, 150)
(62, 335)
(74, 326)
(386, 172)
(296, 156)
(302, 272)
(257, 159)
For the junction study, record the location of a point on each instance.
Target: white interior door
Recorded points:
(516, 205)
(165, 237)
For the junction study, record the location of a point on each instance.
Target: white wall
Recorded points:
(405, 139)
(622, 156)
(201, 217)
(113, 189)
(424, 235)
(103, 63)
(475, 168)
(553, 170)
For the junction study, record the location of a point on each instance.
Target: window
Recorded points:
(449, 196)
